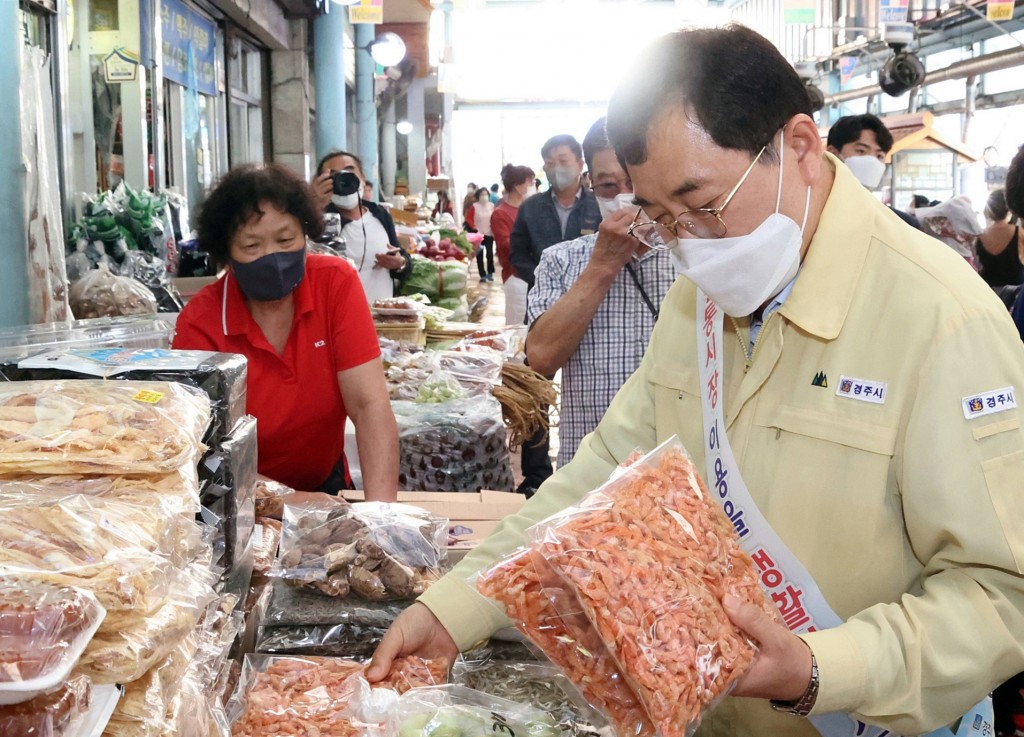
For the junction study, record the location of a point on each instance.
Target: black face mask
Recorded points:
(271, 277)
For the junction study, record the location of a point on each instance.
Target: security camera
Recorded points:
(904, 71)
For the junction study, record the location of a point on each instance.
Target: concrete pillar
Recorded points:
(329, 78)
(447, 140)
(134, 128)
(13, 252)
(366, 105)
(290, 102)
(417, 146)
(388, 149)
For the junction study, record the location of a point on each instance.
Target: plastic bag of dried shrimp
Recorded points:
(650, 556)
(298, 697)
(546, 611)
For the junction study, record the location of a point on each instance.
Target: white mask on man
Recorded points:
(741, 273)
(346, 201)
(868, 170)
(608, 205)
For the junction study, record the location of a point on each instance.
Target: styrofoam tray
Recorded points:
(15, 692)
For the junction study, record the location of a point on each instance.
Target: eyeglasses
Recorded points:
(703, 222)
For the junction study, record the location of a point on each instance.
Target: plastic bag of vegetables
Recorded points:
(457, 711)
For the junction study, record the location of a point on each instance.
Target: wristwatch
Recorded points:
(802, 706)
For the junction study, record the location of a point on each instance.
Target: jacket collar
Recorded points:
(831, 269)
(235, 316)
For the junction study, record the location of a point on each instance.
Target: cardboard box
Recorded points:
(481, 511)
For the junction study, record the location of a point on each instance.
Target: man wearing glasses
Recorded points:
(848, 388)
(595, 301)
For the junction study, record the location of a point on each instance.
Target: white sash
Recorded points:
(782, 575)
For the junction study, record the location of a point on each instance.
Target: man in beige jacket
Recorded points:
(869, 382)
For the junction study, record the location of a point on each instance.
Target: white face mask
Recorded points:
(563, 177)
(613, 204)
(740, 274)
(868, 170)
(346, 201)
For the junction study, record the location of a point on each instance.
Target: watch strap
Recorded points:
(802, 706)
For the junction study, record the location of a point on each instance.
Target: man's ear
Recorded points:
(832, 150)
(803, 138)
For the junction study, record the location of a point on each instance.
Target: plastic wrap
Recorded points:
(171, 494)
(540, 686)
(73, 427)
(140, 712)
(53, 714)
(289, 605)
(550, 617)
(330, 640)
(457, 711)
(373, 550)
(228, 492)
(43, 630)
(152, 272)
(114, 523)
(270, 496)
(453, 446)
(100, 293)
(303, 696)
(266, 538)
(476, 373)
(649, 557)
(131, 642)
(21, 342)
(440, 281)
(221, 376)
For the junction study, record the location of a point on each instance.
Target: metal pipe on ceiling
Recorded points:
(960, 70)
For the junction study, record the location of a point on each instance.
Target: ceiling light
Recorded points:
(387, 49)
(404, 127)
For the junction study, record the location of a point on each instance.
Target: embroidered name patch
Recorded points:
(863, 389)
(997, 400)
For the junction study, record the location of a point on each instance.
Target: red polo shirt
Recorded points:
(295, 397)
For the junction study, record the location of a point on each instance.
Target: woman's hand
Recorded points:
(416, 631)
(391, 260)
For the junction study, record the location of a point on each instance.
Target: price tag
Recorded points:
(149, 397)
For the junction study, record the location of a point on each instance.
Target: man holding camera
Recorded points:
(369, 232)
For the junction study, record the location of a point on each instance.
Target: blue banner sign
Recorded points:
(185, 31)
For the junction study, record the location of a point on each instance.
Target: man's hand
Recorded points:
(416, 631)
(391, 260)
(782, 667)
(323, 188)
(615, 247)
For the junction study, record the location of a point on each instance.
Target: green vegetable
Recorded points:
(458, 240)
(438, 280)
(439, 390)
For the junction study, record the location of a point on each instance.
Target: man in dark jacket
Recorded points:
(564, 212)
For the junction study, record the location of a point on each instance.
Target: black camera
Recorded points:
(345, 182)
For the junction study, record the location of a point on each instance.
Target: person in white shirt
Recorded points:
(369, 232)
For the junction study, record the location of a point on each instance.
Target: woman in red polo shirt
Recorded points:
(303, 322)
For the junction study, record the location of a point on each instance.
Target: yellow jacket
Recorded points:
(908, 515)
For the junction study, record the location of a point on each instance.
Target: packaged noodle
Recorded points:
(297, 697)
(112, 523)
(649, 557)
(172, 493)
(100, 427)
(131, 642)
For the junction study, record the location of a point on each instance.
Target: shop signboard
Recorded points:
(120, 66)
(367, 11)
(847, 65)
(893, 11)
(999, 10)
(181, 27)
